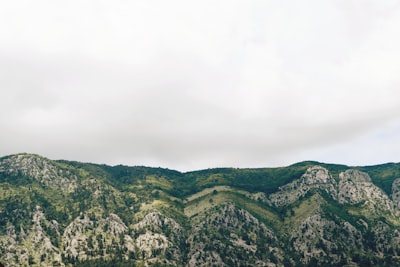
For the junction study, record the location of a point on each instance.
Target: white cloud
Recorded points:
(192, 85)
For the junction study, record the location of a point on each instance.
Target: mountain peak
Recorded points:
(41, 169)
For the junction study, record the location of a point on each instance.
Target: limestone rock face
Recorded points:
(94, 233)
(232, 231)
(315, 178)
(158, 235)
(356, 187)
(25, 247)
(326, 240)
(396, 193)
(39, 168)
(387, 239)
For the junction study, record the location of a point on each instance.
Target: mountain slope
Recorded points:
(61, 213)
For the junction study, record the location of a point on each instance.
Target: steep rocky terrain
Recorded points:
(60, 213)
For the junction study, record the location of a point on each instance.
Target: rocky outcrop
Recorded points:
(158, 235)
(316, 177)
(26, 247)
(386, 240)
(94, 234)
(356, 187)
(353, 187)
(396, 193)
(320, 241)
(228, 231)
(40, 169)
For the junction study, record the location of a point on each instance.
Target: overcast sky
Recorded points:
(196, 84)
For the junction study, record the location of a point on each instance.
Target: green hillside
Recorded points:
(63, 213)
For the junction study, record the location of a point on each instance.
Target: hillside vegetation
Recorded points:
(63, 213)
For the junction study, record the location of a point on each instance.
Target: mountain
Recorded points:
(64, 213)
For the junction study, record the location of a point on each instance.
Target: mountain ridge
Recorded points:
(66, 213)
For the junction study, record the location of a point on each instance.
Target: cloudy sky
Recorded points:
(196, 84)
